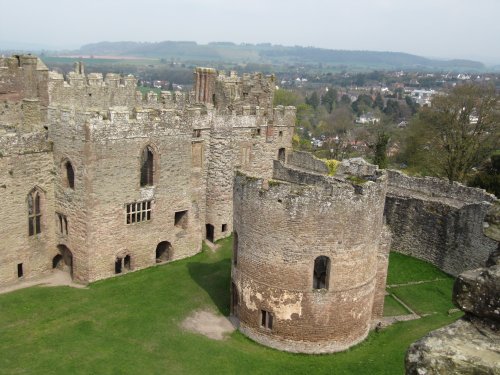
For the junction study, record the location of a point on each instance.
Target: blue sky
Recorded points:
(432, 28)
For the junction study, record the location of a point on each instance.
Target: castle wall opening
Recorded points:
(163, 252)
(64, 260)
(321, 273)
(210, 232)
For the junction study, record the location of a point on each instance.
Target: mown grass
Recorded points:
(130, 325)
(393, 307)
(404, 269)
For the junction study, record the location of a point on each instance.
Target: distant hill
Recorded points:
(267, 53)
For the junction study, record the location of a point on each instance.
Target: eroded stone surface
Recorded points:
(462, 348)
(478, 292)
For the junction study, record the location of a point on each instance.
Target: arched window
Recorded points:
(34, 213)
(147, 166)
(321, 273)
(70, 175)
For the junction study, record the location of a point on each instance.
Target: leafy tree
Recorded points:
(488, 176)
(380, 157)
(362, 104)
(456, 133)
(329, 99)
(378, 102)
(393, 110)
(345, 100)
(287, 98)
(313, 100)
(413, 106)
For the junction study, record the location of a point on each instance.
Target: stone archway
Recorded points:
(163, 252)
(63, 260)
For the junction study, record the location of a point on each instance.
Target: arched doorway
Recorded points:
(63, 260)
(163, 252)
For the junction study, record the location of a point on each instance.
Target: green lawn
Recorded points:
(404, 269)
(393, 307)
(130, 325)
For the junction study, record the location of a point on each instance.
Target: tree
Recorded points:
(380, 157)
(458, 131)
(286, 98)
(313, 100)
(378, 102)
(329, 99)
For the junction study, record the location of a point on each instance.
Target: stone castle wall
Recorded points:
(25, 165)
(438, 222)
(100, 126)
(281, 226)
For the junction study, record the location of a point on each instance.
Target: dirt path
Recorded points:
(56, 278)
(209, 324)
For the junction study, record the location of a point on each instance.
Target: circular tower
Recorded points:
(306, 263)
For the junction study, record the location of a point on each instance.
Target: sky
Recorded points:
(446, 29)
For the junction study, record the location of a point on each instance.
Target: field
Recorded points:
(131, 325)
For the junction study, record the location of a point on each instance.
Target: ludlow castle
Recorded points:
(97, 179)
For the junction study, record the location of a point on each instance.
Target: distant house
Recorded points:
(367, 118)
(423, 97)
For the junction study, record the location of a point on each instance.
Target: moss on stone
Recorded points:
(356, 180)
(332, 165)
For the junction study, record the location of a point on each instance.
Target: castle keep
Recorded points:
(320, 288)
(97, 180)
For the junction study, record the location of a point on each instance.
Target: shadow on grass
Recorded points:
(215, 279)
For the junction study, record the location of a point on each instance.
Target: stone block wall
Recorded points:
(280, 227)
(438, 222)
(25, 165)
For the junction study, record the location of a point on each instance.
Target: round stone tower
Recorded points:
(307, 269)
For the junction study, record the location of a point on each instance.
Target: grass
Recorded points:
(130, 325)
(393, 307)
(404, 269)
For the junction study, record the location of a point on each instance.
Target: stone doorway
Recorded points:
(210, 232)
(163, 252)
(63, 260)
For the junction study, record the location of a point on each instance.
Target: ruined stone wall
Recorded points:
(25, 164)
(92, 91)
(110, 155)
(248, 142)
(23, 94)
(305, 160)
(281, 226)
(438, 222)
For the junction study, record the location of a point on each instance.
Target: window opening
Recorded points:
(321, 272)
(20, 271)
(138, 211)
(70, 175)
(62, 222)
(224, 228)
(147, 166)
(34, 213)
(181, 219)
(266, 319)
(281, 154)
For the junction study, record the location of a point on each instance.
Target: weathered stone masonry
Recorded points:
(94, 131)
(439, 222)
(282, 227)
